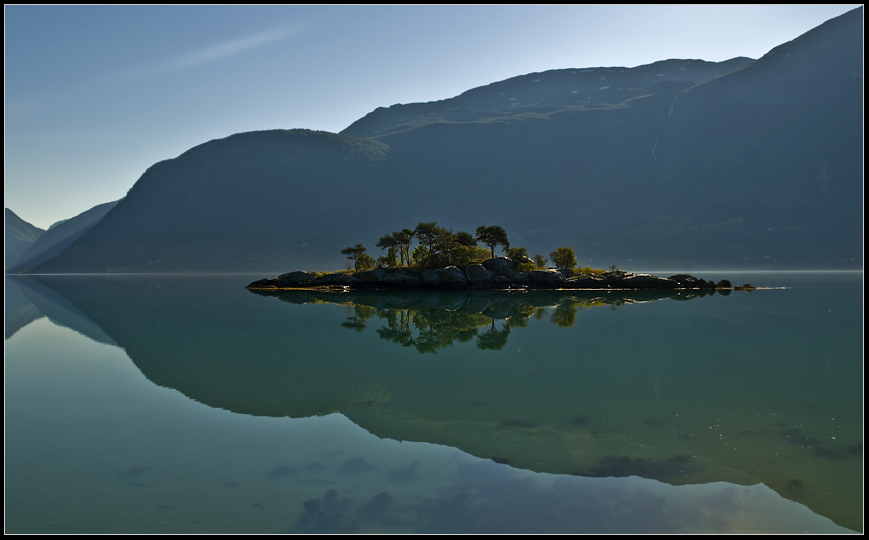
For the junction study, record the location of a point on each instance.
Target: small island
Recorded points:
(492, 274)
(450, 261)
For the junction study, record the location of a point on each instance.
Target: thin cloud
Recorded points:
(189, 60)
(209, 54)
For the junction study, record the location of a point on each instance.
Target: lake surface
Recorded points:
(167, 404)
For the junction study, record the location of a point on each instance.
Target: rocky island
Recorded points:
(497, 273)
(448, 261)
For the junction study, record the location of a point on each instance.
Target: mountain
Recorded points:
(58, 237)
(19, 236)
(253, 200)
(680, 163)
(543, 93)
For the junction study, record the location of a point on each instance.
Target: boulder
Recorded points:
(547, 277)
(403, 279)
(646, 281)
(476, 273)
(297, 277)
(521, 278)
(263, 284)
(339, 279)
(500, 266)
(450, 275)
(453, 274)
(502, 281)
(371, 275)
(586, 282)
(431, 278)
(687, 281)
(613, 277)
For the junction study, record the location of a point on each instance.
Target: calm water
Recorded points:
(191, 405)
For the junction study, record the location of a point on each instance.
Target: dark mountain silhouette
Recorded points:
(252, 200)
(58, 237)
(679, 163)
(19, 235)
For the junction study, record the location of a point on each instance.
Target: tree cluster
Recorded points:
(438, 247)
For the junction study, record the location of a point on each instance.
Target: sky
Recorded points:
(94, 95)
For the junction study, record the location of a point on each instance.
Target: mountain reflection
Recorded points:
(742, 389)
(431, 321)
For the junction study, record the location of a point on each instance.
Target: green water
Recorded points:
(189, 404)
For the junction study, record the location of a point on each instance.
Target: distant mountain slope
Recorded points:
(19, 235)
(58, 237)
(541, 93)
(681, 163)
(253, 200)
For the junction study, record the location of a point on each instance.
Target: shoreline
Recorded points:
(500, 273)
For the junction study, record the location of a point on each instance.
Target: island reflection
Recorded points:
(430, 321)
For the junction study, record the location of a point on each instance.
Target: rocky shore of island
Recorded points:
(498, 273)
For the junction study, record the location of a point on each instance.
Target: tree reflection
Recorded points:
(431, 321)
(360, 316)
(493, 339)
(565, 314)
(428, 330)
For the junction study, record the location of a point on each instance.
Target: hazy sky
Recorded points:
(95, 95)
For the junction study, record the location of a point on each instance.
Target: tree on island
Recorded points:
(455, 248)
(397, 245)
(427, 234)
(391, 245)
(361, 260)
(439, 247)
(493, 236)
(517, 254)
(404, 238)
(466, 239)
(563, 257)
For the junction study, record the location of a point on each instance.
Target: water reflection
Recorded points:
(744, 389)
(493, 499)
(19, 310)
(430, 321)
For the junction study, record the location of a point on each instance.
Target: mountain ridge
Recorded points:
(19, 235)
(58, 237)
(563, 88)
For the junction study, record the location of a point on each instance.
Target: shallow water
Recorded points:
(189, 404)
